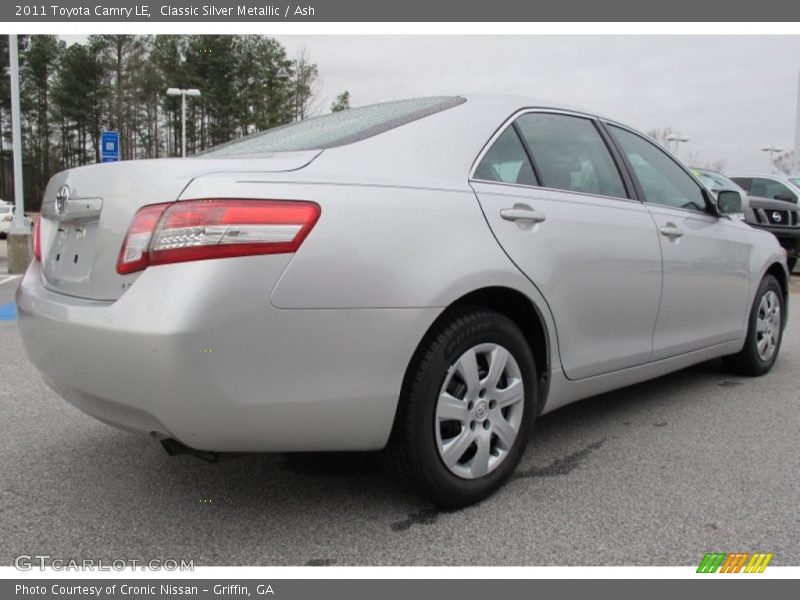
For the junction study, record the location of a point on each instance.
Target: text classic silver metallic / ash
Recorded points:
(426, 275)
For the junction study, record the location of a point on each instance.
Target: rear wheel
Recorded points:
(764, 332)
(466, 409)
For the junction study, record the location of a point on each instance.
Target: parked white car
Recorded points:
(6, 218)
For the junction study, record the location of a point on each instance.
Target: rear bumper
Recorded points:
(196, 352)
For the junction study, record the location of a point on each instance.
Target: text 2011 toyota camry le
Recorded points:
(428, 275)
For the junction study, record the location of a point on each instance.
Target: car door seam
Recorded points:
(525, 275)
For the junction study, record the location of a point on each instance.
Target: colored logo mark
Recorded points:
(8, 311)
(735, 562)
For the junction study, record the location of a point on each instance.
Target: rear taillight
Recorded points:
(133, 255)
(203, 229)
(37, 239)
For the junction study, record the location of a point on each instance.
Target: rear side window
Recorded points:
(769, 188)
(336, 129)
(569, 154)
(506, 161)
(663, 181)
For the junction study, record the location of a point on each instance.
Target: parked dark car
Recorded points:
(778, 216)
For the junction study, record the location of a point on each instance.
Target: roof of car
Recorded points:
(515, 103)
(446, 144)
(766, 175)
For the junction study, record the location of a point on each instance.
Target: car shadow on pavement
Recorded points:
(321, 476)
(639, 399)
(366, 473)
(125, 492)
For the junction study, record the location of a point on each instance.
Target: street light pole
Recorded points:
(19, 238)
(16, 134)
(678, 139)
(183, 125)
(183, 93)
(772, 150)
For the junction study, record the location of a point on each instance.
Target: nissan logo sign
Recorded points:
(776, 216)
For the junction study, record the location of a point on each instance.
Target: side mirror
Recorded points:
(729, 202)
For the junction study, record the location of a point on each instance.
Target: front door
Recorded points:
(706, 258)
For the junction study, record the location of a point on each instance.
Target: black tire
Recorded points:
(413, 448)
(791, 263)
(748, 361)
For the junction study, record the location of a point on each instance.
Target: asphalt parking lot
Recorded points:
(655, 474)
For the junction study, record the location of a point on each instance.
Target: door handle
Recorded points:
(671, 231)
(522, 214)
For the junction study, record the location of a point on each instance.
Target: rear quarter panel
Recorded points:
(380, 246)
(382, 249)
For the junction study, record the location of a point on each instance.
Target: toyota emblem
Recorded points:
(61, 199)
(776, 216)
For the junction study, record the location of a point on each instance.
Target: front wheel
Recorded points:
(466, 409)
(764, 332)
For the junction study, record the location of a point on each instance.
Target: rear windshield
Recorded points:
(335, 129)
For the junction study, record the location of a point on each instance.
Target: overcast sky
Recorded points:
(731, 95)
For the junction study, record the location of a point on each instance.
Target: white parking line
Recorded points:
(8, 278)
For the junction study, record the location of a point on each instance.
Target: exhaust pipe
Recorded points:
(175, 448)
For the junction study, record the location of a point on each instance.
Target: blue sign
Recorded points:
(109, 146)
(8, 311)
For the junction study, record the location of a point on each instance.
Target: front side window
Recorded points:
(769, 188)
(662, 180)
(570, 154)
(506, 161)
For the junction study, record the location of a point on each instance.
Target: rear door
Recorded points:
(706, 257)
(560, 207)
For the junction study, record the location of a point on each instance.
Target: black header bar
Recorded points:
(399, 11)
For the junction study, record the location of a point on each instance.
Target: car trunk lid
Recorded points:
(86, 212)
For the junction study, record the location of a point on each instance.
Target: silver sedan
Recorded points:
(425, 275)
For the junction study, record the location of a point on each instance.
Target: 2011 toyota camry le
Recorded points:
(426, 275)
